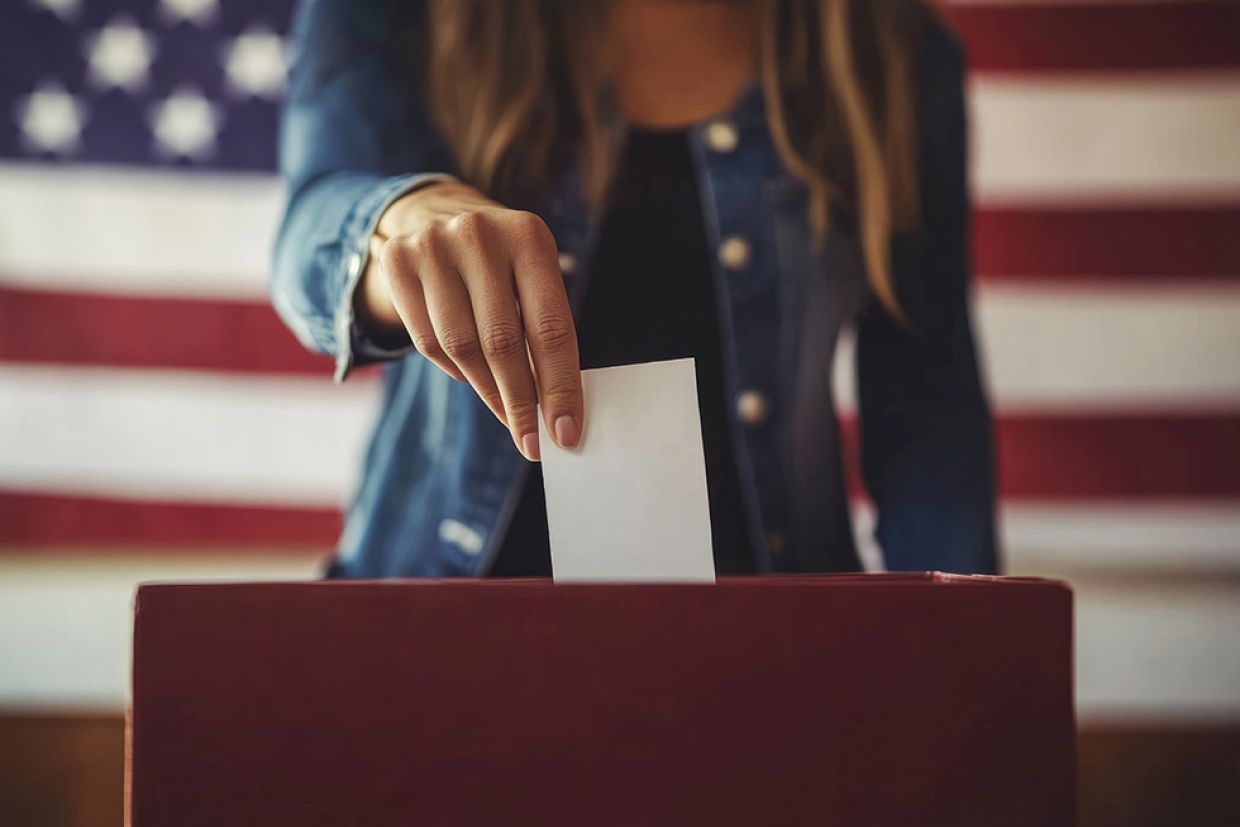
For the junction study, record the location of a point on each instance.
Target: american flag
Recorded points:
(150, 401)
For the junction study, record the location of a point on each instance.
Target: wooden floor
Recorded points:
(60, 771)
(1145, 776)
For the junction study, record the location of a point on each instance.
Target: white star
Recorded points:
(120, 56)
(201, 12)
(51, 119)
(255, 63)
(185, 125)
(64, 9)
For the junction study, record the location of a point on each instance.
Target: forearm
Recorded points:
(929, 469)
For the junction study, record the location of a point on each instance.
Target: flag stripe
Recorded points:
(1106, 457)
(181, 436)
(1089, 141)
(1140, 242)
(1200, 535)
(33, 520)
(67, 618)
(1150, 347)
(1153, 347)
(1147, 537)
(1079, 36)
(146, 332)
(1121, 534)
(1036, 243)
(138, 232)
(1076, 349)
(1114, 457)
(154, 435)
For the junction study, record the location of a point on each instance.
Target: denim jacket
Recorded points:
(441, 475)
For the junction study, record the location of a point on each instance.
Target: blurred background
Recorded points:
(157, 421)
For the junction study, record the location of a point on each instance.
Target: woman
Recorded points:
(490, 196)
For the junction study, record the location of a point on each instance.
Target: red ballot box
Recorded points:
(824, 700)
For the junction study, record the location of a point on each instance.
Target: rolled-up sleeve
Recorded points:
(927, 444)
(354, 137)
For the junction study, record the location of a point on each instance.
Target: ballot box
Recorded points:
(824, 700)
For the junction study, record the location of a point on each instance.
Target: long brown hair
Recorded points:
(513, 83)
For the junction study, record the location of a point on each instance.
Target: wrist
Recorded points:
(412, 211)
(373, 308)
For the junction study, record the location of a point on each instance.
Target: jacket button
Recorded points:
(721, 136)
(355, 264)
(568, 263)
(752, 407)
(734, 252)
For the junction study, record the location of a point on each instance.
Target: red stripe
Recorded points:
(66, 520)
(1118, 457)
(1108, 243)
(1109, 457)
(88, 329)
(247, 337)
(1108, 37)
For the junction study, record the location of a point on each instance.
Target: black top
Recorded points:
(651, 297)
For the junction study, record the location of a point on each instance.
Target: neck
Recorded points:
(678, 62)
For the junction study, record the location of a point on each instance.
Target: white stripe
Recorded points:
(1038, 140)
(1074, 139)
(1160, 348)
(181, 436)
(1187, 538)
(1158, 650)
(1155, 536)
(131, 231)
(66, 620)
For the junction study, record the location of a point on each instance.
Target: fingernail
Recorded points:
(529, 446)
(566, 431)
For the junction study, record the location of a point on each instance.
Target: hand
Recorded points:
(477, 288)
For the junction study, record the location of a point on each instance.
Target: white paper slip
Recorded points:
(629, 502)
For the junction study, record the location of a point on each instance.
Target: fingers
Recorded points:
(405, 290)
(487, 275)
(452, 319)
(452, 285)
(549, 330)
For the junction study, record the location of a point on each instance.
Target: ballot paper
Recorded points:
(629, 502)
